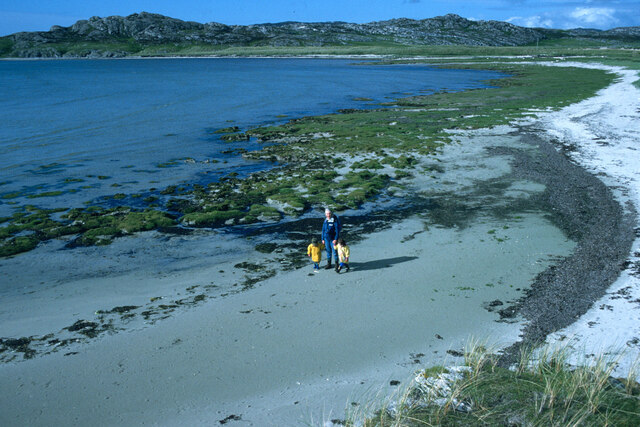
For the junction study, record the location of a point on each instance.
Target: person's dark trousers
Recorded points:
(331, 251)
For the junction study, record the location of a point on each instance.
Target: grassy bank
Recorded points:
(340, 160)
(390, 49)
(540, 390)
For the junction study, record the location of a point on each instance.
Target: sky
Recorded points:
(40, 15)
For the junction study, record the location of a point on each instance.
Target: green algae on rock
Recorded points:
(234, 137)
(230, 129)
(92, 225)
(11, 195)
(100, 226)
(45, 194)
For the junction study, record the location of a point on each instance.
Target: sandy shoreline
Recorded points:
(279, 353)
(601, 134)
(211, 363)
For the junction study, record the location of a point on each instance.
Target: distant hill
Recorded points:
(117, 36)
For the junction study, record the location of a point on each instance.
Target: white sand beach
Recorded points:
(604, 133)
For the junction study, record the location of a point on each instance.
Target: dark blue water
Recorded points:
(96, 128)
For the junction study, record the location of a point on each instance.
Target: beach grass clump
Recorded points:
(542, 389)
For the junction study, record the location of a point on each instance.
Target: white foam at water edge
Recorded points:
(604, 135)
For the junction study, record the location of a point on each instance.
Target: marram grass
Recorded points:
(542, 389)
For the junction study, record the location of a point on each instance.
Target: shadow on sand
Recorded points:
(380, 263)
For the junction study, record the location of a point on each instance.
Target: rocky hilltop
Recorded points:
(123, 36)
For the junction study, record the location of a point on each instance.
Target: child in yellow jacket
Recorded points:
(343, 255)
(314, 250)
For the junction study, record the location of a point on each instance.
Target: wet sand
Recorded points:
(301, 346)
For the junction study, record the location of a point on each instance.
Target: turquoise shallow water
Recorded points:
(96, 128)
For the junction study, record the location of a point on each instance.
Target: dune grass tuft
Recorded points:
(542, 389)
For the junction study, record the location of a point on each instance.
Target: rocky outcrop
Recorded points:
(621, 33)
(131, 34)
(624, 32)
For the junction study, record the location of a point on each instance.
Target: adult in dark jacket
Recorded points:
(330, 234)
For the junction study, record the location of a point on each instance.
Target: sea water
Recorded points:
(86, 129)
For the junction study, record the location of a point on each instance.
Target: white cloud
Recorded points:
(599, 17)
(536, 21)
(580, 17)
